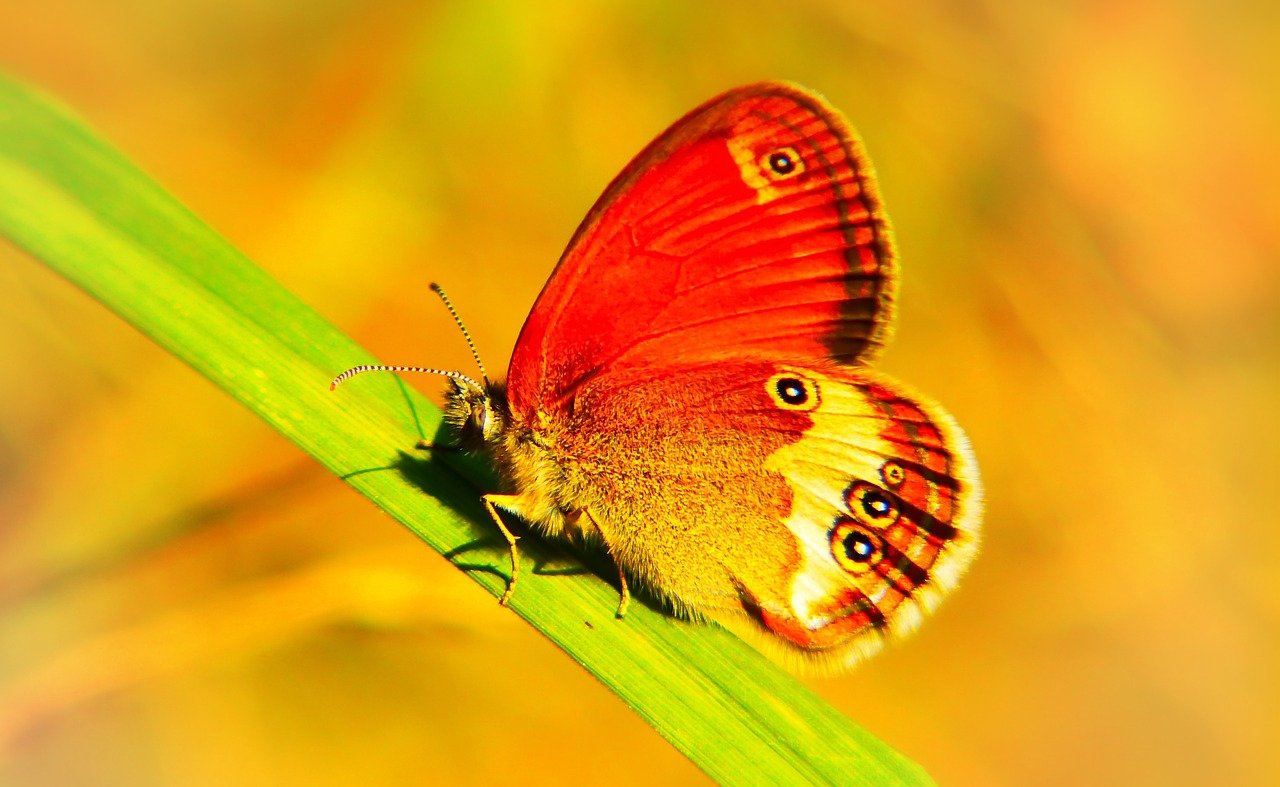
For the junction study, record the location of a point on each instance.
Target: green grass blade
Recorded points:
(78, 206)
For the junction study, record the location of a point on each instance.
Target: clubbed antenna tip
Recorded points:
(465, 333)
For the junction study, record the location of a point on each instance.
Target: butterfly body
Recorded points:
(693, 389)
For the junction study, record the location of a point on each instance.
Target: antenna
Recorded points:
(465, 334)
(352, 372)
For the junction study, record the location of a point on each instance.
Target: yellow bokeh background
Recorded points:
(1087, 203)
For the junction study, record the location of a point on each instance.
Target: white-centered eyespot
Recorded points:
(872, 505)
(792, 391)
(854, 546)
(782, 163)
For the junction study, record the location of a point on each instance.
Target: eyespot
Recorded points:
(871, 504)
(854, 546)
(791, 391)
(892, 474)
(782, 163)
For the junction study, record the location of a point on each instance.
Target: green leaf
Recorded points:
(81, 208)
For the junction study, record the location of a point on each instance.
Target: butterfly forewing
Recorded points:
(750, 229)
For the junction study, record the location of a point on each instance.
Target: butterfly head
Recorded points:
(476, 409)
(478, 412)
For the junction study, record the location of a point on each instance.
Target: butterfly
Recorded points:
(693, 389)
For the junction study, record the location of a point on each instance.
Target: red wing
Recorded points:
(751, 229)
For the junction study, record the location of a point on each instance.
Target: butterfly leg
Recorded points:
(625, 601)
(492, 502)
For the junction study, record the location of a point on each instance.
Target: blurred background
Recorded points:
(1086, 196)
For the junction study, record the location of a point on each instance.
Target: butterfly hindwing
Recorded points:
(821, 507)
(886, 503)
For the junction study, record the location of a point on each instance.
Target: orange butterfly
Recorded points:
(693, 389)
